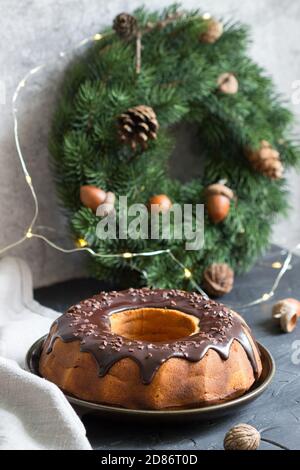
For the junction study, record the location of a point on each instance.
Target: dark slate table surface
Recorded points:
(278, 409)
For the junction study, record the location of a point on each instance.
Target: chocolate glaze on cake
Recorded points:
(89, 323)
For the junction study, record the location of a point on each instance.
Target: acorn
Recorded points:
(160, 203)
(228, 84)
(288, 322)
(217, 202)
(284, 306)
(92, 197)
(286, 311)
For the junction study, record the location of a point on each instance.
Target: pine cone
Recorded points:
(213, 33)
(137, 126)
(266, 160)
(242, 437)
(125, 26)
(218, 279)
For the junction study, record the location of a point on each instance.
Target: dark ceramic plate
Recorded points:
(200, 414)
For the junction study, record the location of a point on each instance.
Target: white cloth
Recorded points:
(34, 414)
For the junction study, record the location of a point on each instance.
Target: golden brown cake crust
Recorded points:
(177, 375)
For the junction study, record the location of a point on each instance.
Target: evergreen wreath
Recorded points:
(111, 131)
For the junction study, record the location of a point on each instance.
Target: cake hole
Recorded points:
(153, 324)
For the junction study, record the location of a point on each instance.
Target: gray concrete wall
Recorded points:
(34, 31)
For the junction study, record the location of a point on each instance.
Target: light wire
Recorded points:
(29, 234)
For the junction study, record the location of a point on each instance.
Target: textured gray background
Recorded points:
(34, 31)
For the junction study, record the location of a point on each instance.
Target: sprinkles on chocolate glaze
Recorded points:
(89, 323)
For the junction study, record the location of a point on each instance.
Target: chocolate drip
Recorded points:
(89, 323)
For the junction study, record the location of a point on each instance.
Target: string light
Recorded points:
(206, 16)
(266, 297)
(187, 273)
(81, 244)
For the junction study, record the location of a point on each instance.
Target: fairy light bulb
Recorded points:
(206, 16)
(81, 243)
(266, 297)
(127, 255)
(187, 273)
(97, 37)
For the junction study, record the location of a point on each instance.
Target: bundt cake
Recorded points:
(151, 349)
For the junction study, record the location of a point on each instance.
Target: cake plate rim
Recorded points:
(204, 413)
